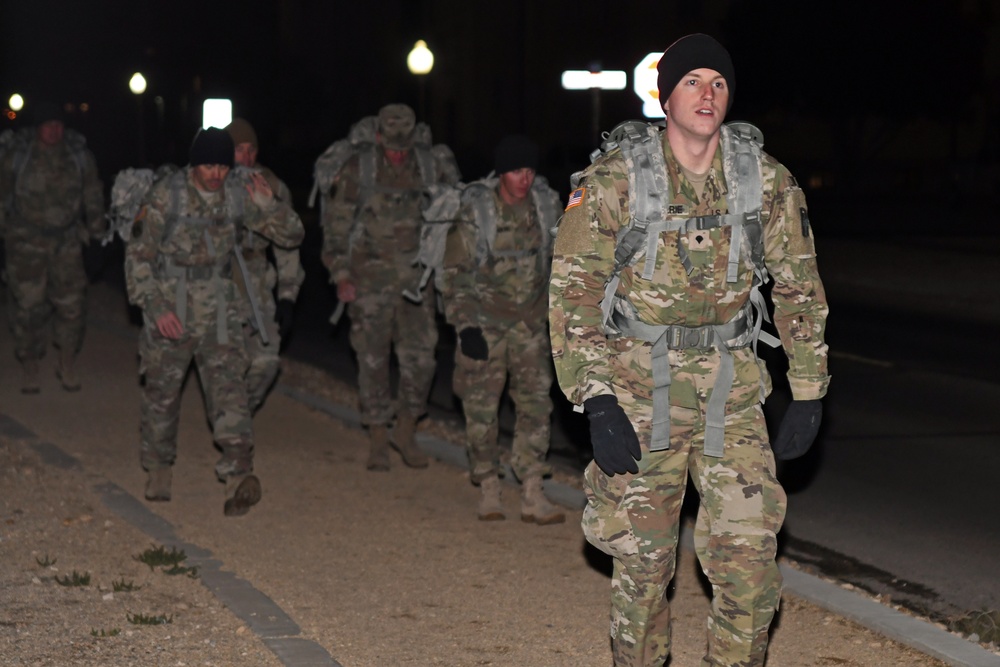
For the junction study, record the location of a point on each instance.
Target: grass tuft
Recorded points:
(75, 579)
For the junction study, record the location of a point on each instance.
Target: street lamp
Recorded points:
(16, 102)
(595, 80)
(137, 84)
(420, 61)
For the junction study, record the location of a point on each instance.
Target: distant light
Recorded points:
(11, 115)
(216, 113)
(16, 102)
(137, 84)
(421, 60)
(84, 107)
(644, 85)
(581, 79)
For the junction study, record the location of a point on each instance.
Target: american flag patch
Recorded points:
(575, 198)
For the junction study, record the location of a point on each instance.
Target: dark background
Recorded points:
(884, 111)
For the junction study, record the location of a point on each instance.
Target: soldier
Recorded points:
(179, 267)
(495, 278)
(371, 234)
(53, 202)
(286, 273)
(657, 344)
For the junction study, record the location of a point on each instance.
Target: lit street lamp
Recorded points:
(137, 84)
(595, 80)
(420, 61)
(16, 102)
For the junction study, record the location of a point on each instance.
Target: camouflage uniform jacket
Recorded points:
(376, 238)
(50, 195)
(204, 251)
(589, 364)
(290, 274)
(507, 284)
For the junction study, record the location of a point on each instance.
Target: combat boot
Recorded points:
(66, 370)
(29, 376)
(378, 448)
(242, 493)
(535, 507)
(490, 503)
(158, 484)
(402, 438)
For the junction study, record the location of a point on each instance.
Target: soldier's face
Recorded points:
(515, 185)
(209, 177)
(394, 156)
(697, 105)
(246, 154)
(51, 132)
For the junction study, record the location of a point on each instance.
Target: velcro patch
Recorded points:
(576, 198)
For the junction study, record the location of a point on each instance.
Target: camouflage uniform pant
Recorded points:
(635, 519)
(383, 321)
(524, 356)
(264, 361)
(222, 371)
(46, 279)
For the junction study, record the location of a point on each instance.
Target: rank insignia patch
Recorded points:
(576, 198)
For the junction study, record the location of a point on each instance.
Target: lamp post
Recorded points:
(420, 61)
(595, 80)
(137, 84)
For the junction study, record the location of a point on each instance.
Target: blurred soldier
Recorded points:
(667, 371)
(286, 273)
(495, 279)
(179, 267)
(53, 202)
(371, 234)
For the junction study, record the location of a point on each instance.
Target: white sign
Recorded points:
(644, 84)
(216, 113)
(581, 79)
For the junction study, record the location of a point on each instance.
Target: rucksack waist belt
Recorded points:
(722, 337)
(217, 274)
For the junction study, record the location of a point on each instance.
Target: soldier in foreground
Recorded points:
(286, 273)
(657, 343)
(371, 234)
(494, 287)
(53, 202)
(179, 269)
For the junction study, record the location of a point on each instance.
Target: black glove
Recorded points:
(95, 260)
(284, 316)
(616, 446)
(798, 429)
(473, 343)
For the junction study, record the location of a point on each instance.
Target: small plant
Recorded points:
(113, 632)
(143, 619)
(123, 586)
(45, 561)
(155, 556)
(75, 579)
(985, 624)
(191, 572)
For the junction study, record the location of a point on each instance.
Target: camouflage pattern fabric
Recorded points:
(505, 296)
(286, 275)
(633, 517)
(211, 295)
(373, 242)
(53, 208)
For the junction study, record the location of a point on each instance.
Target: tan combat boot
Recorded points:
(158, 484)
(490, 504)
(66, 370)
(29, 376)
(242, 493)
(402, 438)
(378, 448)
(535, 507)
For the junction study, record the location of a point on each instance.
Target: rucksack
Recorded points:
(128, 189)
(20, 143)
(442, 212)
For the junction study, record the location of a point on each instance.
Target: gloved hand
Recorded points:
(798, 429)
(616, 446)
(473, 344)
(284, 315)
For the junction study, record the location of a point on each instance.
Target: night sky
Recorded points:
(839, 89)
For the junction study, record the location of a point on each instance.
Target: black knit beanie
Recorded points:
(690, 53)
(211, 146)
(515, 151)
